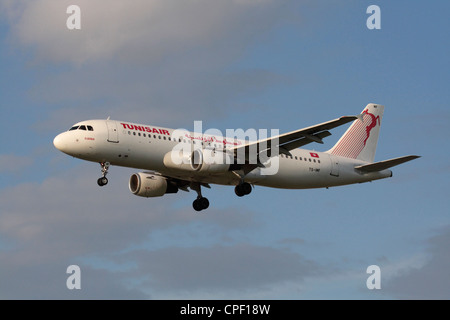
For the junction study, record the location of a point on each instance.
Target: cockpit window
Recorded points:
(83, 127)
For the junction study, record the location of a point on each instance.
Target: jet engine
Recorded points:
(210, 161)
(178, 160)
(149, 185)
(200, 161)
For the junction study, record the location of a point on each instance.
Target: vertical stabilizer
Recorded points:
(360, 140)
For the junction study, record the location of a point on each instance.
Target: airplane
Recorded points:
(175, 160)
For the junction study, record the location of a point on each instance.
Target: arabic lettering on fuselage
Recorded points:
(213, 139)
(210, 139)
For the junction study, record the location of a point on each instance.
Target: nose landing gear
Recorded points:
(103, 181)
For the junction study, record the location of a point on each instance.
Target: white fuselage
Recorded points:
(144, 147)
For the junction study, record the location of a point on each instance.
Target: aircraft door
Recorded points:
(113, 133)
(334, 166)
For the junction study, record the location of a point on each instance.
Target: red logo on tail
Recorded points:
(355, 139)
(372, 124)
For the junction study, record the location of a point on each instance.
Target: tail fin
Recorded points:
(360, 140)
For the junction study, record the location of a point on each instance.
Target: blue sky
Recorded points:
(232, 64)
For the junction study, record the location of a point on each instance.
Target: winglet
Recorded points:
(360, 117)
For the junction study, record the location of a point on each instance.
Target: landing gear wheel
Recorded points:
(196, 205)
(204, 202)
(200, 204)
(243, 189)
(102, 181)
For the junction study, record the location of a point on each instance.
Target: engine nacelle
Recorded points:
(148, 185)
(178, 160)
(210, 161)
(200, 161)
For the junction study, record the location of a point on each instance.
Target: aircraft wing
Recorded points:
(291, 140)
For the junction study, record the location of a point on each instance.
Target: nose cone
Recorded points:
(59, 142)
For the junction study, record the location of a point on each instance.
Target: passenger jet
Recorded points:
(172, 161)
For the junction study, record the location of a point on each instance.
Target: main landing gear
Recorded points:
(103, 181)
(201, 203)
(243, 189)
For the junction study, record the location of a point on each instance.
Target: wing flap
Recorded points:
(307, 138)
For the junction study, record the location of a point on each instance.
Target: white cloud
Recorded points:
(136, 30)
(425, 278)
(162, 60)
(67, 219)
(237, 269)
(72, 208)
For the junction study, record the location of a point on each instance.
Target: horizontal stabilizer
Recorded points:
(386, 164)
